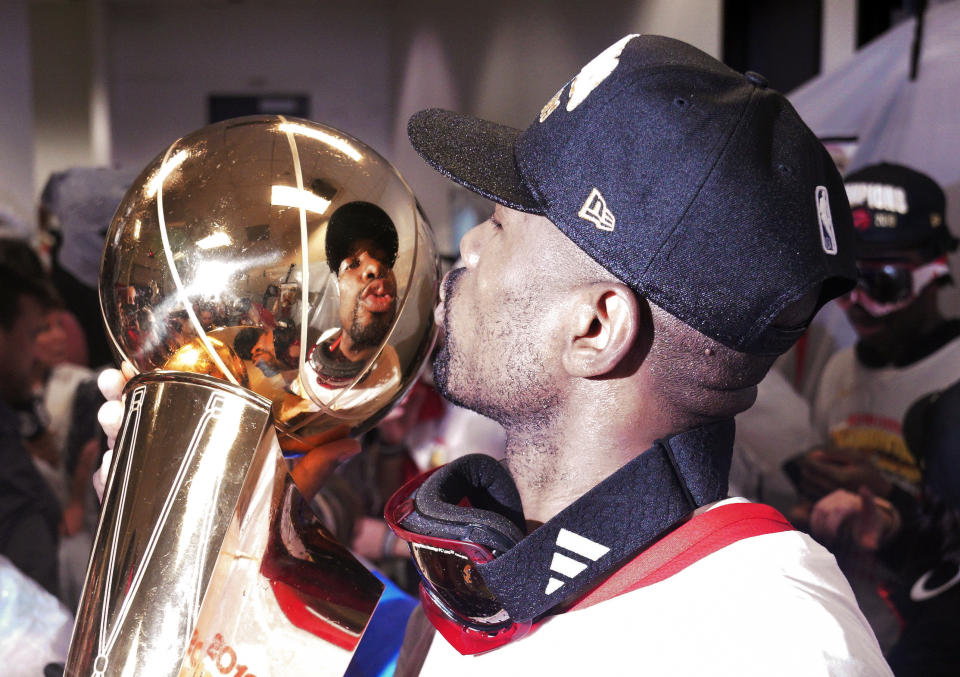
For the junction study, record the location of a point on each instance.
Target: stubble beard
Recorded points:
(370, 335)
(507, 383)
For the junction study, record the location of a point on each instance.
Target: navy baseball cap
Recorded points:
(896, 208)
(357, 221)
(698, 187)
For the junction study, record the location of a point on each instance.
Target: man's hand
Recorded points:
(110, 417)
(864, 519)
(825, 470)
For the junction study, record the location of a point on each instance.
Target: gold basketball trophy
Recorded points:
(273, 281)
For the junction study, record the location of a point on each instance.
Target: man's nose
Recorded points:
(470, 245)
(372, 268)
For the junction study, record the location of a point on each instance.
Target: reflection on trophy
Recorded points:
(273, 281)
(361, 249)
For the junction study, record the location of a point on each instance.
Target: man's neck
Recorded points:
(552, 468)
(350, 351)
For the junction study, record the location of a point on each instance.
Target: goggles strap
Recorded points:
(929, 272)
(613, 522)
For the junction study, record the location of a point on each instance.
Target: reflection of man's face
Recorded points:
(206, 320)
(368, 294)
(263, 349)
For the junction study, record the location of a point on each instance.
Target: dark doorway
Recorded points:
(780, 39)
(226, 106)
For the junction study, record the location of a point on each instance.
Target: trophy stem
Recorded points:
(205, 547)
(180, 465)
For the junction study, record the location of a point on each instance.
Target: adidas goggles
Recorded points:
(453, 593)
(484, 582)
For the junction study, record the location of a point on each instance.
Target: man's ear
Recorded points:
(601, 329)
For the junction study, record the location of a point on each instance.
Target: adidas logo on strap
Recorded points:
(567, 566)
(595, 211)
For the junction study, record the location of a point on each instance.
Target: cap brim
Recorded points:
(475, 153)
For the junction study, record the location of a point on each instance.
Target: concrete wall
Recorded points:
(165, 61)
(839, 36)
(504, 60)
(115, 81)
(16, 112)
(62, 50)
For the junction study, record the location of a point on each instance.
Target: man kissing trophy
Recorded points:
(207, 559)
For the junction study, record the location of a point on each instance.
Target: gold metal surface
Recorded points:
(194, 358)
(305, 600)
(203, 538)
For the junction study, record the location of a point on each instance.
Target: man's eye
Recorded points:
(496, 224)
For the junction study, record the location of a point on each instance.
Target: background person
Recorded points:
(76, 208)
(29, 510)
(905, 349)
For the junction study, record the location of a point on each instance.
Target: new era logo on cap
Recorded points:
(567, 566)
(596, 212)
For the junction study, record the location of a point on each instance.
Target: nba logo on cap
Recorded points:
(827, 236)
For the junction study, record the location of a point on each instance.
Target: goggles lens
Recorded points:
(887, 283)
(448, 568)
(455, 580)
(894, 282)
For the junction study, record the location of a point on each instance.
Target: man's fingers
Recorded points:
(819, 478)
(869, 526)
(101, 474)
(128, 370)
(111, 382)
(836, 518)
(819, 473)
(841, 455)
(110, 417)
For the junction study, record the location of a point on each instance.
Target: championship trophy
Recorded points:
(273, 282)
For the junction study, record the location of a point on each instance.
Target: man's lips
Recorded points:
(439, 310)
(447, 284)
(377, 297)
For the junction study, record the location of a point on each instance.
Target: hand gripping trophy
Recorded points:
(273, 281)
